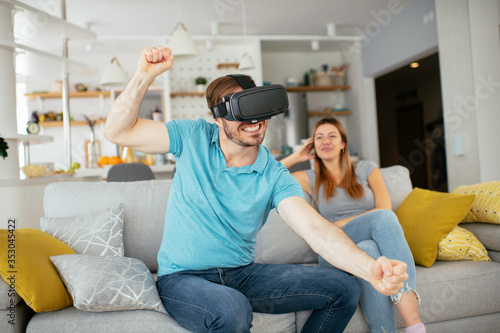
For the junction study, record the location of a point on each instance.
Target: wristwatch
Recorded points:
(32, 127)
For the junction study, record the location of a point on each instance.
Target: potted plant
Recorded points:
(200, 84)
(3, 148)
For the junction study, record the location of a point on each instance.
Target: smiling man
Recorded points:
(225, 185)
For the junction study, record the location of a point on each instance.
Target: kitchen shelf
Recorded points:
(83, 94)
(29, 138)
(328, 113)
(222, 65)
(187, 93)
(73, 123)
(316, 88)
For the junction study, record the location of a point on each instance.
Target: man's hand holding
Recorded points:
(388, 275)
(155, 60)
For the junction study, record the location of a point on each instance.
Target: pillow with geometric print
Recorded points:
(486, 206)
(461, 244)
(97, 234)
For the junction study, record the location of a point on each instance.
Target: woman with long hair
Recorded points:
(356, 199)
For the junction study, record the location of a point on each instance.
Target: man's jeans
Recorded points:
(222, 299)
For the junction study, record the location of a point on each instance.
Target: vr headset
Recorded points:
(252, 103)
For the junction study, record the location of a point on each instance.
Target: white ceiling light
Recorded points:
(331, 30)
(246, 62)
(181, 42)
(114, 75)
(315, 45)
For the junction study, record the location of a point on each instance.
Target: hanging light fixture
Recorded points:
(181, 43)
(246, 61)
(114, 75)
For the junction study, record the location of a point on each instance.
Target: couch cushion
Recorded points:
(461, 244)
(107, 283)
(457, 289)
(144, 205)
(73, 320)
(488, 234)
(494, 255)
(426, 217)
(35, 278)
(486, 206)
(278, 243)
(398, 183)
(98, 234)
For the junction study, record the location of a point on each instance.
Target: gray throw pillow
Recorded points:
(100, 284)
(98, 234)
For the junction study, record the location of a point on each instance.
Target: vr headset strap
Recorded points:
(242, 80)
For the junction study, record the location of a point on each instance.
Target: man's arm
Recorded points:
(122, 126)
(331, 243)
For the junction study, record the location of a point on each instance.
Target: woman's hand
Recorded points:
(155, 60)
(305, 153)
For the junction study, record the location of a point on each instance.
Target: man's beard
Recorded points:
(234, 136)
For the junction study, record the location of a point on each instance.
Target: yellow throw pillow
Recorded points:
(30, 269)
(426, 217)
(486, 207)
(461, 244)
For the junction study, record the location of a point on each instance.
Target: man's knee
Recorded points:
(354, 293)
(232, 315)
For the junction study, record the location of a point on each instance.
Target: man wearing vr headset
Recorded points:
(225, 185)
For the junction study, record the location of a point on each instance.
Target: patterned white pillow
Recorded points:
(98, 234)
(100, 284)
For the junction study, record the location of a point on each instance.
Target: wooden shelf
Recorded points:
(328, 113)
(316, 88)
(73, 123)
(222, 65)
(84, 94)
(187, 93)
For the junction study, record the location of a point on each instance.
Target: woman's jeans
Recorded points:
(223, 299)
(379, 233)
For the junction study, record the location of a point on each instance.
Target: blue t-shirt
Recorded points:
(214, 212)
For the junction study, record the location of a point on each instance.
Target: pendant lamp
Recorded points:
(246, 62)
(181, 43)
(114, 75)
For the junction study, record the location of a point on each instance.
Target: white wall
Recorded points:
(395, 36)
(22, 203)
(470, 72)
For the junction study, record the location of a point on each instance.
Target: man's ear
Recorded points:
(218, 121)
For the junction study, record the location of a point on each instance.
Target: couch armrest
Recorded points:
(14, 312)
(487, 233)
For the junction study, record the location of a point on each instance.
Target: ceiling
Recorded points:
(113, 18)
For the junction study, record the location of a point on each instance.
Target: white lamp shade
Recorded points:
(114, 75)
(246, 62)
(181, 42)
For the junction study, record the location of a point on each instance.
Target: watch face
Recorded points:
(33, 128)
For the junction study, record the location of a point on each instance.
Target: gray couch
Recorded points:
(459, 296)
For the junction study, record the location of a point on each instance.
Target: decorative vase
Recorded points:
(92, 152)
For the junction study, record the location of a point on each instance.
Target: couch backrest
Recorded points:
(144, 212)
(278, 243)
